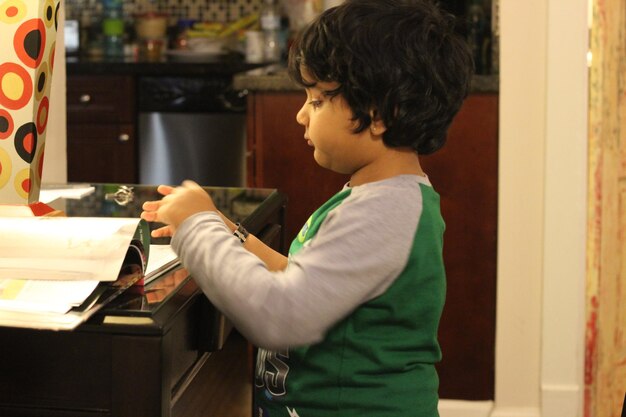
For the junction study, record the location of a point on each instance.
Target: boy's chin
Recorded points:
(321, 161)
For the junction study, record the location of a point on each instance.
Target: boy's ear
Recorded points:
(377, 127)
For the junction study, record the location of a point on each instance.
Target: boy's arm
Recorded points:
(274, 261)
(182, 202)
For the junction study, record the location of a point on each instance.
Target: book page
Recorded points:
(162, 258)
(64, 248)
(43, 296)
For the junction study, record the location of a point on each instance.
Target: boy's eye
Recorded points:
(315, 103)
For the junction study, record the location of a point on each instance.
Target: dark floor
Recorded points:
(227, 390)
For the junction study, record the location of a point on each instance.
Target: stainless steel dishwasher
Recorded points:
(191, 128)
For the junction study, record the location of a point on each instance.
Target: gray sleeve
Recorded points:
(357, 253)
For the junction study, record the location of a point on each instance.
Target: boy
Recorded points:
(347, 325)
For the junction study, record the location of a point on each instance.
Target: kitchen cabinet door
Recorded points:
(465, 174)
(101, 129)
(104, 153)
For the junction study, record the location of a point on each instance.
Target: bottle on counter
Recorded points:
(270, 18)
(113, 28)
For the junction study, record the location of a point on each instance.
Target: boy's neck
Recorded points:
(391, 163)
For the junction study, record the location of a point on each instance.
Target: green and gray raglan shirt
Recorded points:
(349, 328)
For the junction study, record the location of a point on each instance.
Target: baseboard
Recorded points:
(557, 401)
(459, 408)
(561, 400)
(516, 412)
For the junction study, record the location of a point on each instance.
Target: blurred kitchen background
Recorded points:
(173, 22)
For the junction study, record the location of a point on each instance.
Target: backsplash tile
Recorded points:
(204, 10)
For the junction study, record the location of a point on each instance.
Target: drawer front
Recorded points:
(101, 99)
(102, 153)
(69, 372)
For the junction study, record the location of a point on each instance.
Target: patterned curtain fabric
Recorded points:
(605, 365)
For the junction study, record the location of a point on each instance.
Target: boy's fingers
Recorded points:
(165, 231)
(164, 189)
(149, 216)
(150, 205)
(189, 184)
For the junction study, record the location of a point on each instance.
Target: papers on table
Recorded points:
(64, 248)
(43, 296)
(55, 272)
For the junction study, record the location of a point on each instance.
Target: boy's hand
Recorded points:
(177, 205)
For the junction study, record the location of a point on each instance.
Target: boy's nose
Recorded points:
(302, 117)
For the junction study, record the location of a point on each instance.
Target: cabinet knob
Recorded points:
(84, 98)
(124, 137)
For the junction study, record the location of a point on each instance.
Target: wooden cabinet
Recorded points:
(101, 131)
(149, 353)
(464, 172)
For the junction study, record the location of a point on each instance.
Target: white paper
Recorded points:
(64, 248)
(159, 257)
(43, 296)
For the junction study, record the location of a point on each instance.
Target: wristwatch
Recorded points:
(241, 233)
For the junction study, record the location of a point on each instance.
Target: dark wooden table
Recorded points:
(152, 352)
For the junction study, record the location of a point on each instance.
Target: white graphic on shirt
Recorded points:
(292, 412)
(271, 371)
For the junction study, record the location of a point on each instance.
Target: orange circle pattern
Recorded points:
(22, 183)
(7, 100)
(12, 11)
(42, 115)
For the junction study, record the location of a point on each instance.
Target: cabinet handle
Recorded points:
(124, 137)
(85, 98)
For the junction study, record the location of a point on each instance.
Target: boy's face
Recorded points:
(329, 130)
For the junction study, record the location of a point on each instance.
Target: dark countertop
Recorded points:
(223, 65)
(252, 77)
(274, 78)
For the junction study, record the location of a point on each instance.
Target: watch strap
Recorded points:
(240, 233)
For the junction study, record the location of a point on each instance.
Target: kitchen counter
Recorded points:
(252, 77)
(222, 65)
(275, 78)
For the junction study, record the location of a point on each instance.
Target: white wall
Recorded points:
(55, 157)
(564, 268)
(520, 227)
(542, 194)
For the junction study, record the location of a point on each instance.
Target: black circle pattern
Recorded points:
(21, 135)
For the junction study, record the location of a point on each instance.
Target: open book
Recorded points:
(55, 272)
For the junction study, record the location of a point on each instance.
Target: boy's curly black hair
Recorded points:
(397, 59)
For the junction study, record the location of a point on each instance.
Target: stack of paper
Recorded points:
(55, 272)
